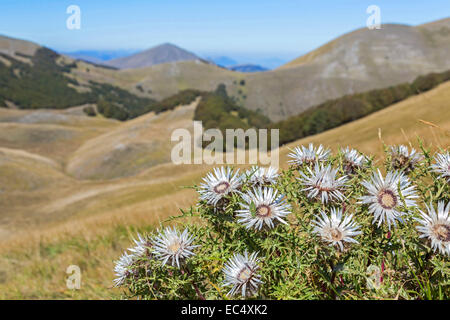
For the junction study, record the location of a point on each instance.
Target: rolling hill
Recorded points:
(18, 49)
(358, 61)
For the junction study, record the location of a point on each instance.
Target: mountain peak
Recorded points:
(163, 53)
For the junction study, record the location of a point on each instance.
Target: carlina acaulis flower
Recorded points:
(308, 155)
(435, 226)
(142, 246)
(122, 268)
(262, 176)
(336, 229)
(218, 184)
(241, 272)
(442, 165)
(404, 159)
(383, 196)
(172, 245)
(262, 207)
(353, 160)
(323, 183)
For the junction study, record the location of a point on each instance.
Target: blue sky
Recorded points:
(278, 27)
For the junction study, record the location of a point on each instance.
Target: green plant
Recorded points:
(183, 97)
(306, 256)
(219, 111)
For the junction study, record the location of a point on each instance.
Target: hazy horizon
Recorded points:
(269, 61)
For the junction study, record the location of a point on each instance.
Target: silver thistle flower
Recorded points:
(219, 184)
(172, 245)
(353, 160)
(142, 246)
(308, 155)
(384, 196)
(241, 273)
(442, 165)
(262, 176)
(122, 268)
(322, 183)
(435, 225)
(337, 229)
(402, 158)
(262, 206)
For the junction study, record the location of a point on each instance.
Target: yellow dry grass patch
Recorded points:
(49, 133)
(133, 146)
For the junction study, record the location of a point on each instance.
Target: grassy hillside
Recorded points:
(41, 78)
(49, 133)
(64, 221)
(435, 34)
(334, 113)
(136, 145)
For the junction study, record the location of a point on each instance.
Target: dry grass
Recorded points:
(89, 223)
(130, 148)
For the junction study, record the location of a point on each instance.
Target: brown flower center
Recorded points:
(221, 187)
(387, 199)
(442, 232)
(263, 211)
(350, 167)
(400, 160)
(245, 274)
(336, 235)
(174, 247)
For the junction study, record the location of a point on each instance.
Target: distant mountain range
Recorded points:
(223, 61)
(99, 56)
(247, 68)
(166, 53)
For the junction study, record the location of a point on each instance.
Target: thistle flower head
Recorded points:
(262, 206)
(435, 225)
(336, 229)
(142, 246)
(219, 184)
(172, 245)
(403, 158)
(241, 273)
(308, 155)
(322, 183)
(122, 268)
(262, 176)
(353, 160)
(442, 165)
(384, 198)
